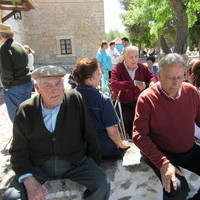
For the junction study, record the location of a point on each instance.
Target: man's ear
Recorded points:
(36, 87)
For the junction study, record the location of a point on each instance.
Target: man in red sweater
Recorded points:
(164, 128)
(130, 77)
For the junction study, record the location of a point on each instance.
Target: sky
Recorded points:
(111, 15)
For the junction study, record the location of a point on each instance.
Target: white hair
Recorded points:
(128, 49)
(37, 81)
(171, 58)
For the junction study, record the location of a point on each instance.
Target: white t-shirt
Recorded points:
(30, 61)
(113, 53)
(197, 131)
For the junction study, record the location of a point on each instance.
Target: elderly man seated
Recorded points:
(164, 128)
(53, 138)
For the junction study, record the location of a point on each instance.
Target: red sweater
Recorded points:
(120, 80)
(166, 124)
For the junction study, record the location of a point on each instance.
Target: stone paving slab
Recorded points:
(6, 134)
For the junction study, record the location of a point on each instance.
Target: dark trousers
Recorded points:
(87, 174)
(128, 112)
(189, 160)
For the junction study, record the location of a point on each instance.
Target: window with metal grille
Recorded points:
(65, 46)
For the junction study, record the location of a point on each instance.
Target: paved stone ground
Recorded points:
(6, 134)
(5, 123)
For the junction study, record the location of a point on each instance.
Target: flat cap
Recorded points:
(48, 71)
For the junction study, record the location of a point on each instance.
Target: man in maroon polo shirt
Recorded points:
(164, 127)
(131, 78)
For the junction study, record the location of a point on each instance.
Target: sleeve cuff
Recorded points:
(24, 176)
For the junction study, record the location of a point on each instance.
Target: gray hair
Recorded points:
(128, 49)
(171, 58)
(37, 81)
(191, 62)
(6, 35)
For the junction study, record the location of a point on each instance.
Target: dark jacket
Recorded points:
(73, 138)
(13, 68)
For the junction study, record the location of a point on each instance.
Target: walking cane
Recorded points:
(4, 151)
(121, 124)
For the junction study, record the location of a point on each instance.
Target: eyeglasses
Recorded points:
(174, 78)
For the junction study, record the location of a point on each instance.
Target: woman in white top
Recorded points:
(30, 53)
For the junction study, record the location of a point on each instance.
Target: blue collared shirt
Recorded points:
(49, 117)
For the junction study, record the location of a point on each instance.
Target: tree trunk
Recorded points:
(164, 45)
(181, 26)
(139, 47)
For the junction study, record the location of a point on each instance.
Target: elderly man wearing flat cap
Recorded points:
(14, 71)
(53, 138)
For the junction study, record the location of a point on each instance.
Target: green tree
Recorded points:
(194, 33)
(15, 1)
(139, 35)
(167, 20)
(112, 34)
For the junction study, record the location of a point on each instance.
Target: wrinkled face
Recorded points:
(51, 90)
(131, 59)
(95, 79)
(171, 78)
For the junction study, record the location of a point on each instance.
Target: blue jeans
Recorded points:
(189, 160)
(15, 95)
(87, 174)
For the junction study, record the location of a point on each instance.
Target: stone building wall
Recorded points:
(81, 21)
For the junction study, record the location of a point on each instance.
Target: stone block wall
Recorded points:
(82, 21)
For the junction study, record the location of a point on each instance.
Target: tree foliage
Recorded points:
(165, 21)
(111, 35)
(15, 1)
(194, 33)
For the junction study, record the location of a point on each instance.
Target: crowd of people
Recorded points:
(68, 133)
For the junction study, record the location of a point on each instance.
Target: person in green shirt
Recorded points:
(14, 71)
